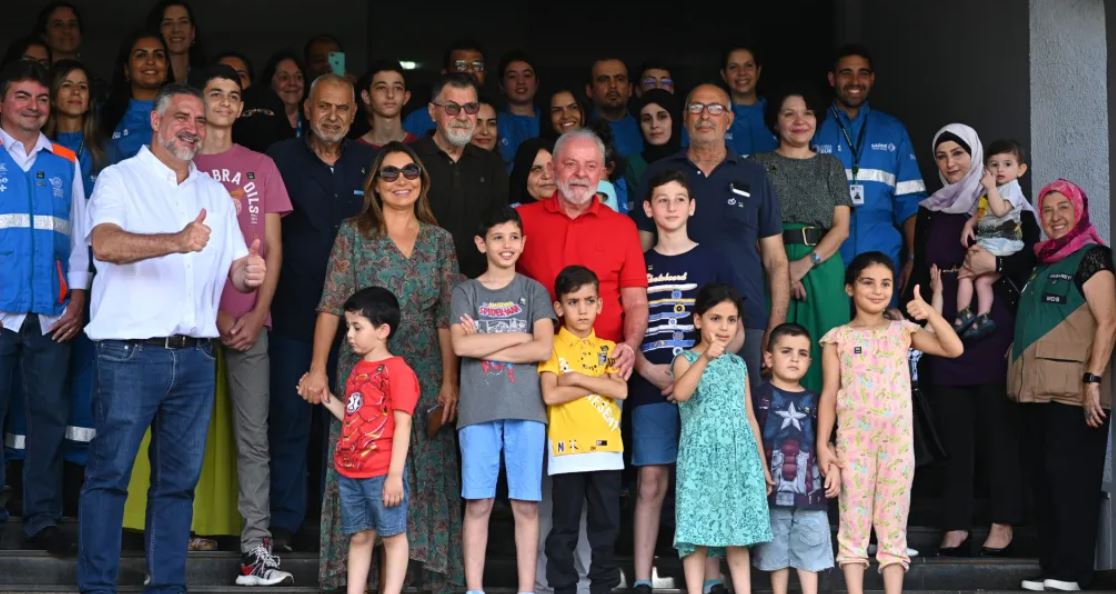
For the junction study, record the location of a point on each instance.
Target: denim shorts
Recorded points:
(801, 540)
(523, 444)
(362, 506)
(654, 434)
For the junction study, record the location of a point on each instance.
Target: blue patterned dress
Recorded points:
(721, 494)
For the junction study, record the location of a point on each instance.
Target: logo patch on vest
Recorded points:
(1052, 298)
(56, 187)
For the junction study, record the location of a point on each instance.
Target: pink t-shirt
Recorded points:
(256, 189)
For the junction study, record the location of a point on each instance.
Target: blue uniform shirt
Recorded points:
(736, 207)
(513, 130)
(134, 129)
(887, 178)
(627, 139)
(418, 122)
(75, 141)
(749, 134)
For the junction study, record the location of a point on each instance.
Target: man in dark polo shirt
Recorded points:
(465, 181)
(737, 213)
(324, 173)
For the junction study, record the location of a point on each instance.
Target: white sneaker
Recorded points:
(260, 568)
(1034, 584)
(910, 552)
(1061, 586)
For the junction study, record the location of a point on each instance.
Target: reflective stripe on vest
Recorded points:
(40, 222)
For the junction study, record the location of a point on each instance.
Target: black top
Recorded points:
(1097, 259)
(263, 121)
(461, 193)
(322, 197)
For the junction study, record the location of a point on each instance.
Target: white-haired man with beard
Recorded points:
(324, 173)
(165, 240)
(466, 182)
(574, 227)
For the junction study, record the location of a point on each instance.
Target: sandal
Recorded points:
(982, 326)
(199, 543)
(965, 319)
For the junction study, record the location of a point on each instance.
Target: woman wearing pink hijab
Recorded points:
(1064, 332)
(977, 424)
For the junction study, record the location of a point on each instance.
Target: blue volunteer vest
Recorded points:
(35, 232)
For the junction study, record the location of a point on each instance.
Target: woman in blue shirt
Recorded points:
(141, 69)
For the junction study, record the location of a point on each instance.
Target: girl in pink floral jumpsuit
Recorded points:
(867, 392)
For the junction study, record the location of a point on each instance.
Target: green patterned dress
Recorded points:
(721, 493)
(423, 284)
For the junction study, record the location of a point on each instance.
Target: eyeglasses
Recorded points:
(391, 173)
(657, 83)
(467, 66)
(713, 109)
(454, 109)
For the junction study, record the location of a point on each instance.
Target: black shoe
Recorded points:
(997, 552)
(642, 589)
(718, 589)
(962, 550)
(281, 540)
(52, 541)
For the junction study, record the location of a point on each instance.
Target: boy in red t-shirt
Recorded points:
(380, 397)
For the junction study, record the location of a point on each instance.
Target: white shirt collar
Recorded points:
(10, 142)
(159, 168)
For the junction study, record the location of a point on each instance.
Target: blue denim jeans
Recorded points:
(139, 386)
(39, 366)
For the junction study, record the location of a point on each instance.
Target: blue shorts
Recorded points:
(523, 444)
(654, 434)
(801, 540)
(362, 507)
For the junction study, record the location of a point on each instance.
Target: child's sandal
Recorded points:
(964, 321)
(983, 326)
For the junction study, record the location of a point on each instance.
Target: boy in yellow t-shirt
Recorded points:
(584, 451)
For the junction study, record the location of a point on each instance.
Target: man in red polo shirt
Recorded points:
(573, 227)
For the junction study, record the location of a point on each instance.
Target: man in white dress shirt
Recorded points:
(165, 239)
(44, 274)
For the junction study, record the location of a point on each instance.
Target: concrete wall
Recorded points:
(1069, 99)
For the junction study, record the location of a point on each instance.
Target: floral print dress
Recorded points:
(721, 495)
(423, 284)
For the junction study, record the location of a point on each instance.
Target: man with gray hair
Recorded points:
(165, 240)
(573, 227)
(324, 173)
(466, 182)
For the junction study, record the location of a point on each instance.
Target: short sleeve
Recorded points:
(836, 182)
(633, 273)
(463, 302)
(107, 204)
(277, 199)
(404, 388)
(909, 327)
(1097, 259)
(551, 364)
(833, 336)
(541, 308)
(340, 281)
(770, 214)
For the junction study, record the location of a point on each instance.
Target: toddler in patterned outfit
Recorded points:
(867, 393)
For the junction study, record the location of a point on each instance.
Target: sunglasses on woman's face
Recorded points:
(391, 173)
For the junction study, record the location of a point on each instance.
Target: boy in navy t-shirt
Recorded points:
(676, 268)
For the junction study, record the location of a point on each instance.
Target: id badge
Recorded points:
(856, 192)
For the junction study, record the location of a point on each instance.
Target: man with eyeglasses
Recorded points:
(737, 210)
(749, 135)
(465, 56)
(519, 82)
(324, 173)
(465, 181)
(884, 180)
(654, 75)
(609, 89)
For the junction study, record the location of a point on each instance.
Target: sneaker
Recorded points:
(642, 589)
(281, 540)
(718, 589)
(1033, 584)
(52, 540)
(260, 568)
(910, 552)
(1060, 586)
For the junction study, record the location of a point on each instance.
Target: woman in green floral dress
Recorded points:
(395, 243)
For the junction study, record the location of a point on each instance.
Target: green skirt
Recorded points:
(215, 512)
(826, 305)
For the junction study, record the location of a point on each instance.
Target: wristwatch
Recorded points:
(815, 259)
(1090, 378)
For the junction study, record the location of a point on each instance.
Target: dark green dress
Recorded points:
(423, 284)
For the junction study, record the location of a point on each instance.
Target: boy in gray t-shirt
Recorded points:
(504, 326)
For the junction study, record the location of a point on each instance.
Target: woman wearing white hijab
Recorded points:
(972, 413)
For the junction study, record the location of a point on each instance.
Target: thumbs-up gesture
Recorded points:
(194, 236)
(919, 309)
(254, 266)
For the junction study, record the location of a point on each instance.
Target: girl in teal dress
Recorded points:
(722, 483)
